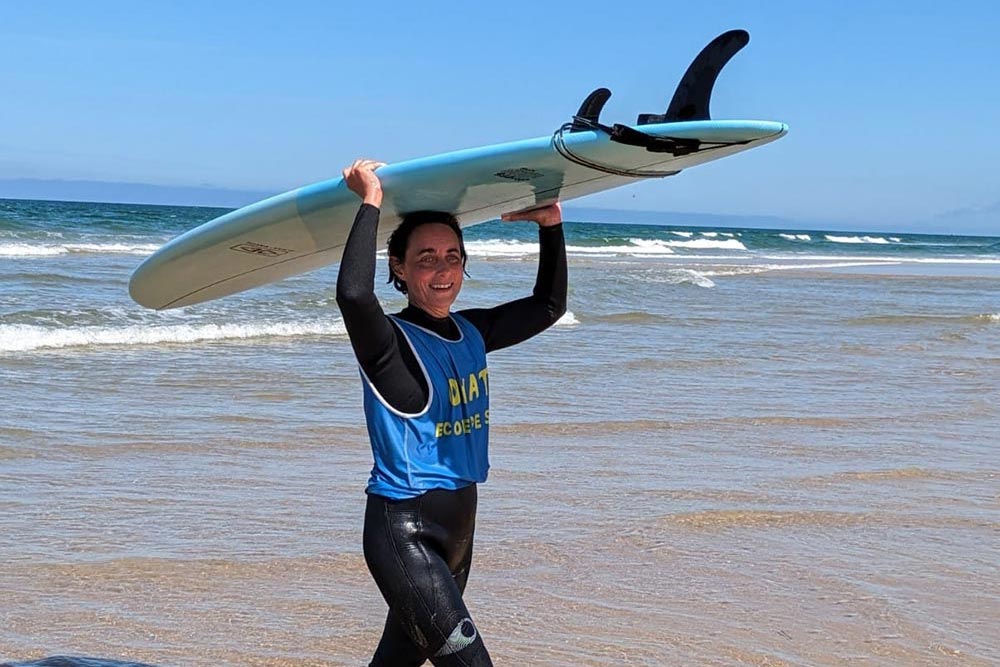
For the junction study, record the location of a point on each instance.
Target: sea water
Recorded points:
(738, 447)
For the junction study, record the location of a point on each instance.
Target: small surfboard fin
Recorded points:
(588, 117)
(694, 93)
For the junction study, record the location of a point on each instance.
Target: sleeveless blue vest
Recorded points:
(445, 445)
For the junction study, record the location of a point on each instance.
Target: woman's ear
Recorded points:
(397, 267)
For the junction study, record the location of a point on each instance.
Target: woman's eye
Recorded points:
(454, 259)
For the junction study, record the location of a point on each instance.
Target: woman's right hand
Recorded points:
(364, 182)
(546, 216)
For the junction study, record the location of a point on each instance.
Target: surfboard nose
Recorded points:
(142, 288)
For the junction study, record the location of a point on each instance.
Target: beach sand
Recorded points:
(710, 462)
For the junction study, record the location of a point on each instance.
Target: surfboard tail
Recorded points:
(690, 102)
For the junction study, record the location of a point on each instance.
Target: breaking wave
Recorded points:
(28, 337)
(54, 250)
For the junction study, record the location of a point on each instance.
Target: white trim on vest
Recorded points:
(423, 369)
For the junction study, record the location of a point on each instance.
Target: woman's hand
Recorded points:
(546, 216)
(362, 180)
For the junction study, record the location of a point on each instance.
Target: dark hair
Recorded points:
(400, 239)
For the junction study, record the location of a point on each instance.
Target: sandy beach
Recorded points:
(718, 458)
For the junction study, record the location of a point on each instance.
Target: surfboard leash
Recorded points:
(624, 134)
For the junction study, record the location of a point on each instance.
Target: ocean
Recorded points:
(738, 447)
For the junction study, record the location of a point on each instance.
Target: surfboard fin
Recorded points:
(587, 118)
(694, 93)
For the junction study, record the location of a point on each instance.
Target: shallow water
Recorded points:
(720, 457)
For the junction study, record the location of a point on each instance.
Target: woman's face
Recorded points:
(432, 268)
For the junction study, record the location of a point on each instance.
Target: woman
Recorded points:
(426, 391)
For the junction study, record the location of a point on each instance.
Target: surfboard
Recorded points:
(306, 228)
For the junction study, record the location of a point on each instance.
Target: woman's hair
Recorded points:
(400, 239)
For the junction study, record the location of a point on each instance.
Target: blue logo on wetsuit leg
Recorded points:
(461, 637)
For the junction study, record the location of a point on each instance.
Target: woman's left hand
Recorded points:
(546, 216)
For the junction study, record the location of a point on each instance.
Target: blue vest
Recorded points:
(445, 445)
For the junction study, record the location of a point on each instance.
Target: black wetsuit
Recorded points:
(419, 550)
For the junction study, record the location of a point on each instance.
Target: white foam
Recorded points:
(856, 239)
(500, 248)
(25, 337)
(567, 320)
(652, 246)
(764, 268)
(696, 278)
(117, 248)
(881, 259)
(680, 277)
(706, 244)
(796, 237)
(519, 249)
(25, 250)
(52, 250)
(637, 247)
(686, 235)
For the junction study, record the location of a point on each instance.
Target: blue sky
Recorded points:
(893, 107)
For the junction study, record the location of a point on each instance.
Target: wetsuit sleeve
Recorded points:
(516, 321)
(377, 343)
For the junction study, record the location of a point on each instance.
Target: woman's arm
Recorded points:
(516, 321)
(391, 367)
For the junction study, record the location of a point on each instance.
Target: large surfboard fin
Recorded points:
(694, 93)
(588, 117)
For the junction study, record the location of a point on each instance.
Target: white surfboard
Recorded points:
(305, 229)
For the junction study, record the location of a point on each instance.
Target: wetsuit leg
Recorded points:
(396, 649)
(419, 552)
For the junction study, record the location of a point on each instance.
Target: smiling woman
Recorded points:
(426, 398)
(427, 260)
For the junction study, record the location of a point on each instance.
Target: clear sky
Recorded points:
(893, 107)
